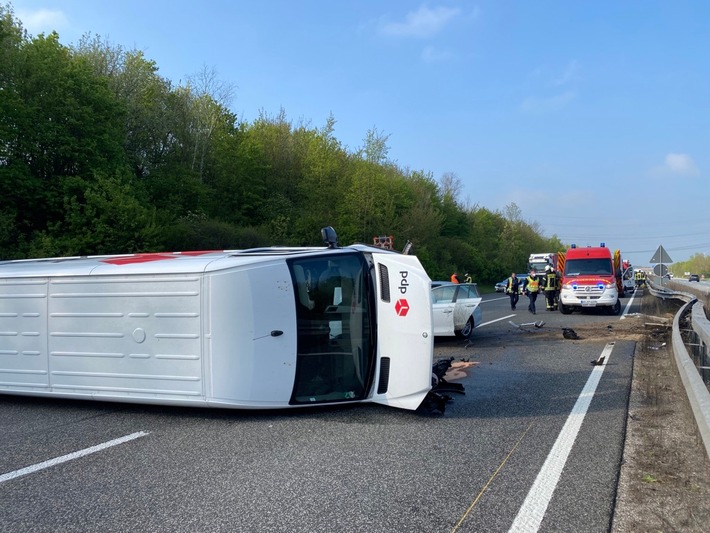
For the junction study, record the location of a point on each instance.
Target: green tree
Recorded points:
(149, 122)
(325, 176)
(103, 215)
(62, 123)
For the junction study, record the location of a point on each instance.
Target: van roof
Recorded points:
(161, 262)
(589, 251)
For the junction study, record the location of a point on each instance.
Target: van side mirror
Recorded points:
(329, 236)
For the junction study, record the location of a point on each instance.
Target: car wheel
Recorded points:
(467, 330)
(565, 309)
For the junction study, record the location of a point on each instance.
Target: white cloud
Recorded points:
(677, 165)
(42, 20)
(539, 105)
(424, 22)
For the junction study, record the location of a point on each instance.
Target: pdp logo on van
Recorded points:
(402, 305)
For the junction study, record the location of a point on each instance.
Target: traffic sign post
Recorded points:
(660, 258)
(660, 270)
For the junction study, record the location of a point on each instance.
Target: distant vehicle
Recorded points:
(540, 261)
(456, 308)
(628, 276)
(694, 277)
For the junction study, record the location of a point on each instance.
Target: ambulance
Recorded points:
(590, 280)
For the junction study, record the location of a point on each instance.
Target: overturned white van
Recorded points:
(257, 328)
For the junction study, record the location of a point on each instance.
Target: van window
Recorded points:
(335, 345)
(588, 266)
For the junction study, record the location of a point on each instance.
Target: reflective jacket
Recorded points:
(512, 286)
(551, 281)
(532, 284)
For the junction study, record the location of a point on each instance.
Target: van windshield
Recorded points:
(335, 346)
(587, 266)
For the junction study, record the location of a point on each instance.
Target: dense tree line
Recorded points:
(698, 263)
(100, 154)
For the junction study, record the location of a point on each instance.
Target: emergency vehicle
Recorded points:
(590, 279)
(628, 276)
(540, 261)
(257, 328)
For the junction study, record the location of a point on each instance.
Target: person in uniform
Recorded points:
(512, 289)
(531, 286)
(551, 289)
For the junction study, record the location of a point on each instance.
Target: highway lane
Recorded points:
(357, 468)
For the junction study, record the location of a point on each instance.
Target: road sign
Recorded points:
(660, 270)
(661, 256)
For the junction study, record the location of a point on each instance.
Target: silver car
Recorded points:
(456, 308)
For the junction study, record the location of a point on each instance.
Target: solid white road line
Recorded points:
(628, 306)
(492, 321)
(495, 299)
(533, 510)
(75, 455)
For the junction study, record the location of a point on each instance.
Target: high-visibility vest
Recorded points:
(533, 284)
(509, 288)
(551, 281)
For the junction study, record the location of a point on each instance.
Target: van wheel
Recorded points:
(565, 309)
(616, 308)
(467, 330)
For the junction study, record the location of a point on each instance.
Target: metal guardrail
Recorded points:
(693, 369)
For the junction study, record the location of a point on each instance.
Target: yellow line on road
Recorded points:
(490, 480)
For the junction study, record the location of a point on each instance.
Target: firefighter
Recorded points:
(531, 286)
(640, 275)
(551, 284)
(467, 278)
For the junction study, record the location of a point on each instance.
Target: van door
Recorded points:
(252, 334)
(335, 324)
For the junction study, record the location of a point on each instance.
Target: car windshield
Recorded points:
(335, 331)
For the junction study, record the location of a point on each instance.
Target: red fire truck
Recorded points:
(591, 279)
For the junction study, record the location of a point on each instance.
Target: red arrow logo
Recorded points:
(402, 307)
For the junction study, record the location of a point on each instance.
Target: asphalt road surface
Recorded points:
(534, 445)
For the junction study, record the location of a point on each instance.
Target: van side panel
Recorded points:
(23, 335)
(132, 336)
(251, 329)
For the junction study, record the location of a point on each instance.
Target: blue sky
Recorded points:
(593, 117)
